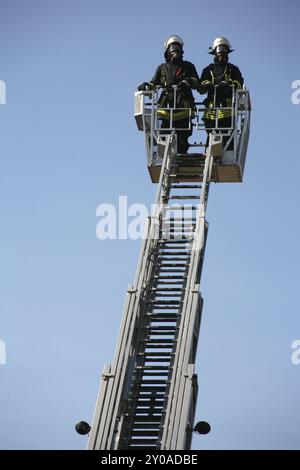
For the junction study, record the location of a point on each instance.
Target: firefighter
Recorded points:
(175, 71)
(219, 80)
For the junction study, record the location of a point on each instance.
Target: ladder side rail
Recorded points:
(186, 421)
(103, 389)
(103, 416)
(191, 316)
(119, 370)
(231, 131)
(147, 112)
(188, 344)
(243, 113)
(148, 131)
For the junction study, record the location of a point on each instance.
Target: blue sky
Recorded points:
(68, 142)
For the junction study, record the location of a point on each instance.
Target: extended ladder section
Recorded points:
(147, 396)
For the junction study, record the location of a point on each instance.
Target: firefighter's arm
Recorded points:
(205, 83)
(237, 78)
(145, 86)
(192, 77)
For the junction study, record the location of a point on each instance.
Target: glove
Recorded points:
(225, 83)
(145, 86)
(184, 86)
(207, 87)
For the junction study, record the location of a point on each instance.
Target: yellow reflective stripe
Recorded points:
(238, 84)
(177, 115)
(211, 114)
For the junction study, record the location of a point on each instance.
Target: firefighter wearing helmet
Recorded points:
(218, 80)
(175, 71)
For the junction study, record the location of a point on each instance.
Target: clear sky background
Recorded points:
(68, 142)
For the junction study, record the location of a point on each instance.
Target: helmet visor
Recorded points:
(221, 48)
(175, 47)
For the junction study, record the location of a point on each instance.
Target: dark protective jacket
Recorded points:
(169, 74)
(213, 75)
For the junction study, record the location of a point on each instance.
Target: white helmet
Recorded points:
(220, 42)
(172, 39)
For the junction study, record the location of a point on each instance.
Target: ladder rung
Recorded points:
(158, 341)
(162, 333)
(164, 316)
(150, 447)
(148, 406)
(147, 414)
(141, 426)
(178, 219)
(162, 360)
(171, 268)
(161, 328)
(164, 262)
(186, 207)
(150, 403)
(150, 382)
(169, 277)
(146, 395)
(154, 354)
(162, 368)
(183, 197)
(186, 186)
(172, 250)
(187, 175)
(178, 233)
(167, 295)
(171, 242)
(155, 399)
(145, 433)
(155, 374)
(165, 289)
(180, 224)
(173, 229)
(165, 307)
(143, 441)
(155, 331)
(165, 302)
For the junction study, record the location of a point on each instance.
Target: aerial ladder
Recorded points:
(147, 396)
